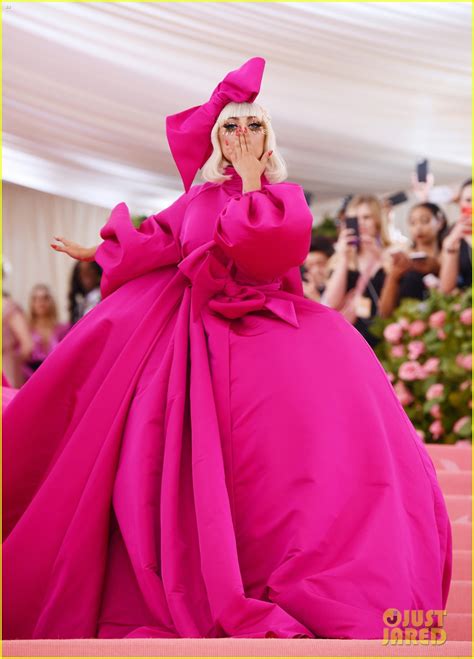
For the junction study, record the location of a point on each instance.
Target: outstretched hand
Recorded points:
(74, 250)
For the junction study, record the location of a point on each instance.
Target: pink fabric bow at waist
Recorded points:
(210, 272)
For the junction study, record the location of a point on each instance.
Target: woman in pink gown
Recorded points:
(207, 453)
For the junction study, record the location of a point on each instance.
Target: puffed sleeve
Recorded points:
(128, 252)
(266, 232)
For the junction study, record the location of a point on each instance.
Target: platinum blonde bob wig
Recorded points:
(213, 169)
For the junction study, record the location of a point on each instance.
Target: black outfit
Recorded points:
(412, 285)
(465, 265)
(372, 291)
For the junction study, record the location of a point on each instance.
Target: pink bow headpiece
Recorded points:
(189, 132)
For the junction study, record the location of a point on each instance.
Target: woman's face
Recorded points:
(229, 132)
(367, 220)
(41, 302)
(88, 276)
(423, 226)
(465, 198)
(316, 264)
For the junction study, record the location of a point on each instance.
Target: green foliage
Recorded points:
(327, 228)
(440, 355)
(137, 220)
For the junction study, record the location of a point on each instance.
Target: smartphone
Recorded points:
(397, 198)
(353, 223)
(422, 170)
(418, 256)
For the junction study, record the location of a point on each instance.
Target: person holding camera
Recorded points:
(358, 274)
(408, 272)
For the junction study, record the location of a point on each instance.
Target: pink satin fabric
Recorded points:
(208, 454)
(189, 131)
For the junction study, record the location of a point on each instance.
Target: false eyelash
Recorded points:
(260, 126)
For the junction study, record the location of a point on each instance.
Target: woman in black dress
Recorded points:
(357, 274)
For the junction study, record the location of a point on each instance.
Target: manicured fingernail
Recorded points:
(270, 153)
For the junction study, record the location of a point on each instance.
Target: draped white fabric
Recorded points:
(30, 220)
(357, 92)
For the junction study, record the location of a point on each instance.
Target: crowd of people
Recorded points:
(29, 337)
(370, 269)
(366, 272)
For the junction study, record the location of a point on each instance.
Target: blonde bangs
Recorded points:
(242, 110)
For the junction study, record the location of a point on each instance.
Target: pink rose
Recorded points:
(464, 361)
(398, 351)
(393, 333)
(420, 433)
(436, 429)
(460, 423)
(390, 376)
(404, 323)
(456, 307)
(435, 411)
(437, 319)
(464, 385)
(411, 370)
(431, 365)
(466, 317)
(435, 391)
(441, 334)
(417, 327)
(404, 395)
(415, 349)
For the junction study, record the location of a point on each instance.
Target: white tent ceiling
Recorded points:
(357, 91)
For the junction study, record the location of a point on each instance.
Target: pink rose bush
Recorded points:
(425, 348)
(404, 395)
(415, 349)
(398, 351)
(435, 411)
(464, 361)
(411, 371)
(435, 391)
(461, 423)
(431, 365)
(393, 333)
(417, 328)
(436, 429)
(466, 317)
(437, 319)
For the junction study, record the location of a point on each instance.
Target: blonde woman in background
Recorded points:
(357, 274)
(45, 329)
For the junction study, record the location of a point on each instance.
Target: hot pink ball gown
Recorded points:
(207, 453)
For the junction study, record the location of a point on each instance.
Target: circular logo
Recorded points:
(392, 617)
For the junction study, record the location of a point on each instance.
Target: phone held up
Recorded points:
(352, 222)
(422, 170)
(397, 198)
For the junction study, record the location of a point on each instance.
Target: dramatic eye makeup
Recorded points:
(230, 127)
(255, 126)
